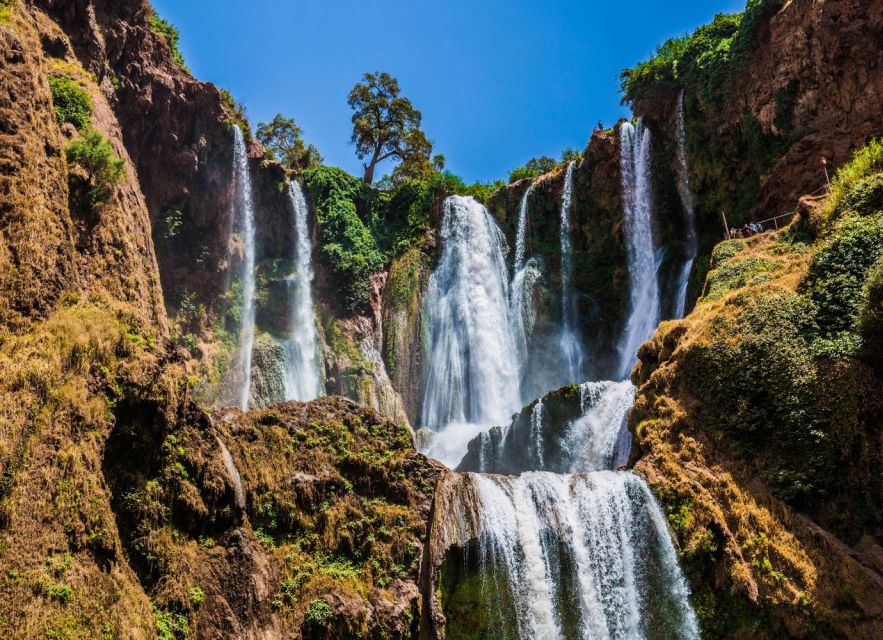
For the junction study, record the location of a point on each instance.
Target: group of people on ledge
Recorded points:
(747, 230)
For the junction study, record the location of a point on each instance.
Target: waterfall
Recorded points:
(600, 438)
(571, 349)
(521, 231)
(243, 215)
(637, 201)
(691, 242)
(302, 379)
(473, 366)
(571, 556)
(539, 440)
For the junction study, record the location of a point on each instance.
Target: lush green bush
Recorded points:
(72, 102)
(170, 34)
(706, 61)
(865, 162)
(319, 612)
(870, 322)
(838, 272)
(758, 380)
(533, 168)
(346, 243)
(103, 167)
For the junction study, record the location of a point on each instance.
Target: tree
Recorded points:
(284, 142)
(386, 125)
(569, 155)
(533, 168)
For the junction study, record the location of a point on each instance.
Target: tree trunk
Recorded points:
(369, 172)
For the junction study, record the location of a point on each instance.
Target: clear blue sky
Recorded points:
(498, 81)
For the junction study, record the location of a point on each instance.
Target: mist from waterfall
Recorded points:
(243, 217)
(571, 347)
(690, 238)
(637, 202)
(472, 360)
(574, 556)
(302, 367)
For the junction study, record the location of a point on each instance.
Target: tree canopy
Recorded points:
(284, 142)
(386, 125)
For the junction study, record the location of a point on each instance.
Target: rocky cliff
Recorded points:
(758, 424)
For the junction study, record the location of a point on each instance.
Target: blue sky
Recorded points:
(498, 81)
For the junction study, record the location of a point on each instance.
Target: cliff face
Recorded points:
(767, 97)
(758, 425)
(600, 274)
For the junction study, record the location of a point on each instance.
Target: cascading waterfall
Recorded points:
(243, 216)
(302, 379)
(691, 242)
(637, 201)
(473, 366)
(574, 556)
(571, 348)
(523, 276)
(600, 438)
(521, 231)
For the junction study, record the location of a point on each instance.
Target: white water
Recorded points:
(571, 348)
(302, 379)
(622, 579)
(233, 472)
(637, 201)
(243, 216)
(521, 231)
(473, 365)
(690, 239)
(600, 439)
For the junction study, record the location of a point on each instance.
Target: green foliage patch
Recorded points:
(72, 102)
(104, 169)
(169, 33)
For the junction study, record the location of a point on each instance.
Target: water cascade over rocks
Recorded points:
(472, 360)
(690, 238)
(562, 547)
(302, 379)
(243, 223)
(571, 347)
(548, 556)
(637, 203)
(577, 430)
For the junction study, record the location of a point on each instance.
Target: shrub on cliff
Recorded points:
(102, 166)
(870, 322)
(169, 33)
(72, 103)
(347, 245)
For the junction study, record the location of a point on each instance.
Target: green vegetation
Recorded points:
(780, 372)
(319, 612)
(236, 112)
(6, 10)
(362, 228)
(387, 126)
(706, 61)
(731, 153)
(284, 142)
(104, 169)
(170, 626)
(533, 168)
(72, 102)
(170, 34)
(866, 161)
(870, 323)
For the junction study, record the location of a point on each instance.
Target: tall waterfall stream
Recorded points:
(243, 223)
